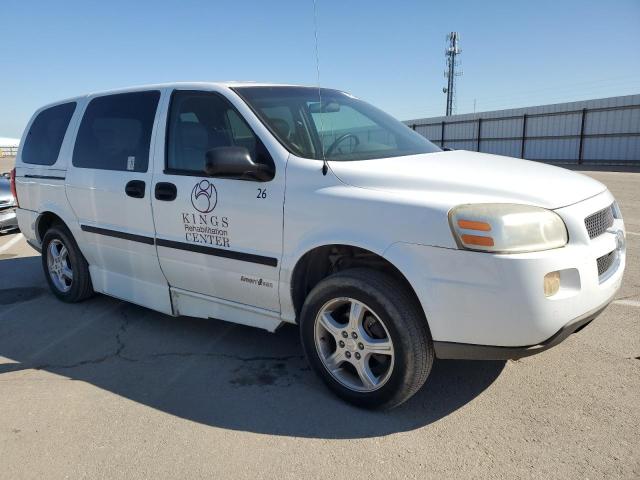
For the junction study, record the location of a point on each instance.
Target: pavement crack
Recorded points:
(120, 346)
(124, 325)
(63, 366)
(118, 355)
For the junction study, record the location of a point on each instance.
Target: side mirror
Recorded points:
(235, 162)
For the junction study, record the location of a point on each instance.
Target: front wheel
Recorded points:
(367, 338)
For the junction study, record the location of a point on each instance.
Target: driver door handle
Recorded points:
(165, 191)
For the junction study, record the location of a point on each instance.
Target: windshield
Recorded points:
(324, 123)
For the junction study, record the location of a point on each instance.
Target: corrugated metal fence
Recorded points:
(598, 132)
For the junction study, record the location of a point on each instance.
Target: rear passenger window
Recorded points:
(115, 133)
(42, 145)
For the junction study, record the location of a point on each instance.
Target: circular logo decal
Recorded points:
(204, 196)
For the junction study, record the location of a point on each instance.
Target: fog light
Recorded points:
(551, 283)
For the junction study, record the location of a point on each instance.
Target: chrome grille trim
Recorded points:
(598, 223)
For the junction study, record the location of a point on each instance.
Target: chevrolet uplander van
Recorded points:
(263, 204)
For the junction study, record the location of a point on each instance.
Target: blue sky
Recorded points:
(515, 53)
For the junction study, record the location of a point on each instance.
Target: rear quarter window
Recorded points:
(44, 139)
(115, 132)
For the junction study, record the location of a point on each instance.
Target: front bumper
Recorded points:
(481, 305)
(465, 351)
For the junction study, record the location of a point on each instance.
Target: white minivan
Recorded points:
(262, 204)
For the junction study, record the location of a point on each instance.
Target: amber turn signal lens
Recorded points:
(477, 240)
(551, 284)
(471, 225)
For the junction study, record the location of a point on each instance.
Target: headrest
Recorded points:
(193, 135)
(281, 126)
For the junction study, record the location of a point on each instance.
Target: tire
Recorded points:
(400, 371)
(79, 287)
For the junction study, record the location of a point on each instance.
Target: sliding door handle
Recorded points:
(135, 189)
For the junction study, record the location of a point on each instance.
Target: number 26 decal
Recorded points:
(262, 193)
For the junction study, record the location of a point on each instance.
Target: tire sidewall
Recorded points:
(384, 306)
(78, 264)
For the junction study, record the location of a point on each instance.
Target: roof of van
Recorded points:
(227, 84)
(194, 85)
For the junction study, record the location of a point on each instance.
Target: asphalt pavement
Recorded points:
(106, 389)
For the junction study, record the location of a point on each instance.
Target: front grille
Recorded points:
(605, 262)
(598, 223)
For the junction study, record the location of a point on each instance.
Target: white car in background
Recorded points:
(263, 204)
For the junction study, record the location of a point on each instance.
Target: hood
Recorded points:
(470, 177)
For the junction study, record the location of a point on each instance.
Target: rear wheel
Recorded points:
(65, 268)
(367, 338)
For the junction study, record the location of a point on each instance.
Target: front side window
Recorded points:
(324, 123)
(44, 139)
(115, 133)
(201, 121)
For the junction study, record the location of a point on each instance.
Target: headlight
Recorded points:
(507, 228)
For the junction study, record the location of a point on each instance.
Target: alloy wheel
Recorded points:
(59, 265)
(354, 344)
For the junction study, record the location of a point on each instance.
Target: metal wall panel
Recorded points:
(601, 131)
(553, 125)
(510, 148)
(492, 128)
(430, 131)
(613, 150)
(460, 131)
(462, 144)
(555, 150)
(612, 121)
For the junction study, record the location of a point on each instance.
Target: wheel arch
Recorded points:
(321, 261)
(44, 221)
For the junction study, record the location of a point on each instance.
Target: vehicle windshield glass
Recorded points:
(340, 127)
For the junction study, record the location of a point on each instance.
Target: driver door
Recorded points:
(218, 239)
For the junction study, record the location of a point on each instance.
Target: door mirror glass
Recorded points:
(235, 162)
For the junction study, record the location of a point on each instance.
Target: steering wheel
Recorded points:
(341, 139)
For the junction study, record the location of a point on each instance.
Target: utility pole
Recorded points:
(450, 73)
